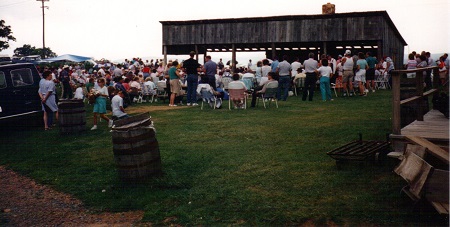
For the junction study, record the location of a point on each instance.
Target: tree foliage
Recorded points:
(5, 35)
(27, 49)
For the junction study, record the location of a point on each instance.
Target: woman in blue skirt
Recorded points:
(100, 103)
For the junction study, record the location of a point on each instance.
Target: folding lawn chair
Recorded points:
(270, 95)
(161, 92)
(212, 100)
(237, 92)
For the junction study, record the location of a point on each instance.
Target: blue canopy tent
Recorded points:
(68, 57)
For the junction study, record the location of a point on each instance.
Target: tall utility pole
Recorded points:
(43, 25)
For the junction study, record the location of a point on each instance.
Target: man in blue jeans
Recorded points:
(210, 69)
(191, 67)
(284, 82)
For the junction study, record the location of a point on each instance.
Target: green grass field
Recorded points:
(240, 167)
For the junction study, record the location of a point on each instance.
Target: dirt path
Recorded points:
(23, 202)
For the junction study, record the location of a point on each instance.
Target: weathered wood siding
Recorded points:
(307, 30)
(375, 28)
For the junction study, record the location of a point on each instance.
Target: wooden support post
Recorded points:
(419, 92)
(196, 52)
(233, 58)
(274, 51)
(379, 49)
(436, 82)
(165, 56)
(396, 127)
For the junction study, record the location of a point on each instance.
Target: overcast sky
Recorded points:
(124, 29)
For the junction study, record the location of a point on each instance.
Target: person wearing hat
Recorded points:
(347, 75)
(191, 66)
(64, 77)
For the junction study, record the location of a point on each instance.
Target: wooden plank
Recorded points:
(416, 149)
(436, 187)
(396, 107)
(441, 208)
(415, 171)
(432, 148)
(429, 92)
(395, 154)
(412, 99)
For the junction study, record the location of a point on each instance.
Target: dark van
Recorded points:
(19, 85)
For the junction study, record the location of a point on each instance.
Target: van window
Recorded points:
(2, 80)
(21, 77)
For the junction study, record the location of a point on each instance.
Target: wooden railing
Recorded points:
(418, 97)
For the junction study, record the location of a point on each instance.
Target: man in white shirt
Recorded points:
(102, 70)
(250, 64)
(284, 82)
(294, 66)
(117, 71)
(347, 77)
(311, 77)
(117, 106)
(332, 63)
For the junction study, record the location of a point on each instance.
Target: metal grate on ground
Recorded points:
(359, 150)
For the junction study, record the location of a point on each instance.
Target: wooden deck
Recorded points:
(434, 127)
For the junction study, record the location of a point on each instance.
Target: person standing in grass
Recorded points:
(100, 103)
(47, 94)
(191, 66)
(347, 75)
(325, 73)
(175, 86)
(274, 64)
(370, 74)
(284, 71)
(360, 76)
(210, 70)
(311, 66)
(64, 77)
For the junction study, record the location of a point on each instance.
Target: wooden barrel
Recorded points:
(135, 148)
(72, 116)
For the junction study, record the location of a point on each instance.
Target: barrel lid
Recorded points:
(141, 123)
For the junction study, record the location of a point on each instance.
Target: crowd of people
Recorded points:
(119, 85)
(424, 59)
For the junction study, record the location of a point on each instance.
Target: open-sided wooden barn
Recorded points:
(294, 35)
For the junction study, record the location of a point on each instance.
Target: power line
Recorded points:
(43, 25)
(13, 4)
